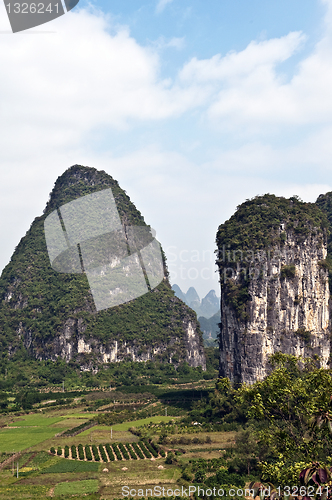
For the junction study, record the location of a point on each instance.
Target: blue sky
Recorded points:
(192, 106)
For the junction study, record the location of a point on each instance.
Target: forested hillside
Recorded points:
(47, 315)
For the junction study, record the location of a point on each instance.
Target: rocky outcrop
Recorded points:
(275, 296)
(71, 344)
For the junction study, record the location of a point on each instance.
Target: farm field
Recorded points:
(18, 439)
(30, 430)
(126, 425)
(140, 474)
(42, 474)
(76, 487)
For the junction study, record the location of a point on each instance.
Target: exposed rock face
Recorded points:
(69, 346)
(195, 356)
(52, 314)
(274, 297)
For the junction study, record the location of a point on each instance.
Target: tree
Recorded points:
(246, 446)
(295, 401)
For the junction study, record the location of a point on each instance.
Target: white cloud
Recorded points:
(80, 77)
(57, 89)
(251, 91)
(246, 84)
(237, 65)
(161, 5)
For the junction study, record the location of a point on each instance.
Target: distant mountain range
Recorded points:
(207, 309)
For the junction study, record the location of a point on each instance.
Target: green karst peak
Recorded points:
(46, 314)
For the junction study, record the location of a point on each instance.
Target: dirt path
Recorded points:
(51, 492)
(9, 460)
(31, 458)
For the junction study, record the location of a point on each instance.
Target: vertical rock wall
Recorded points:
(274, 298)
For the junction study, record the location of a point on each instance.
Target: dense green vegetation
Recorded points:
(264, 221)
(128, 377)
(287, 419)
(273, 430)
(324, 201)
(261, 219)
(37, 304)
(64, 465)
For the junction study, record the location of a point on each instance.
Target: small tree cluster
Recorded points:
(110, 453)
(150, 447)
(116, 451)
(88, 452)
(131, 451)
(95, 453)
(124, 451)
(80, 452)
(144, 450)
(102, 453)
(138, 451)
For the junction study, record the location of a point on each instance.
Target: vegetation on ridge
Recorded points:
(252, 235)
(38, 304)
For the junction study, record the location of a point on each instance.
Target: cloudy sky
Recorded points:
(192, 105)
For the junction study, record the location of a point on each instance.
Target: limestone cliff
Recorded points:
(274, 285)
(47, 314)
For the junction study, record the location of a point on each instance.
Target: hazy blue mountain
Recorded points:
(210, 326)
(179, 294)
(192, 297)
(209, 306)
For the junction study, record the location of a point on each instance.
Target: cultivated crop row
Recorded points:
(110, 452)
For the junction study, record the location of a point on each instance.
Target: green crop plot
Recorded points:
(31, 430)
(85, 416)
(76, 487)
(36, 420)
(136, 423)
(96, 428)
(21, 438)
(64, 465)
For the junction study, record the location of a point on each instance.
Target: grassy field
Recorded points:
(20, 438)
(139, 474)
(136, 423)
(29, 431)
(76, 487)
(35, 421)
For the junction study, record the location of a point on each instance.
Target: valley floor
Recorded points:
(28, 469)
